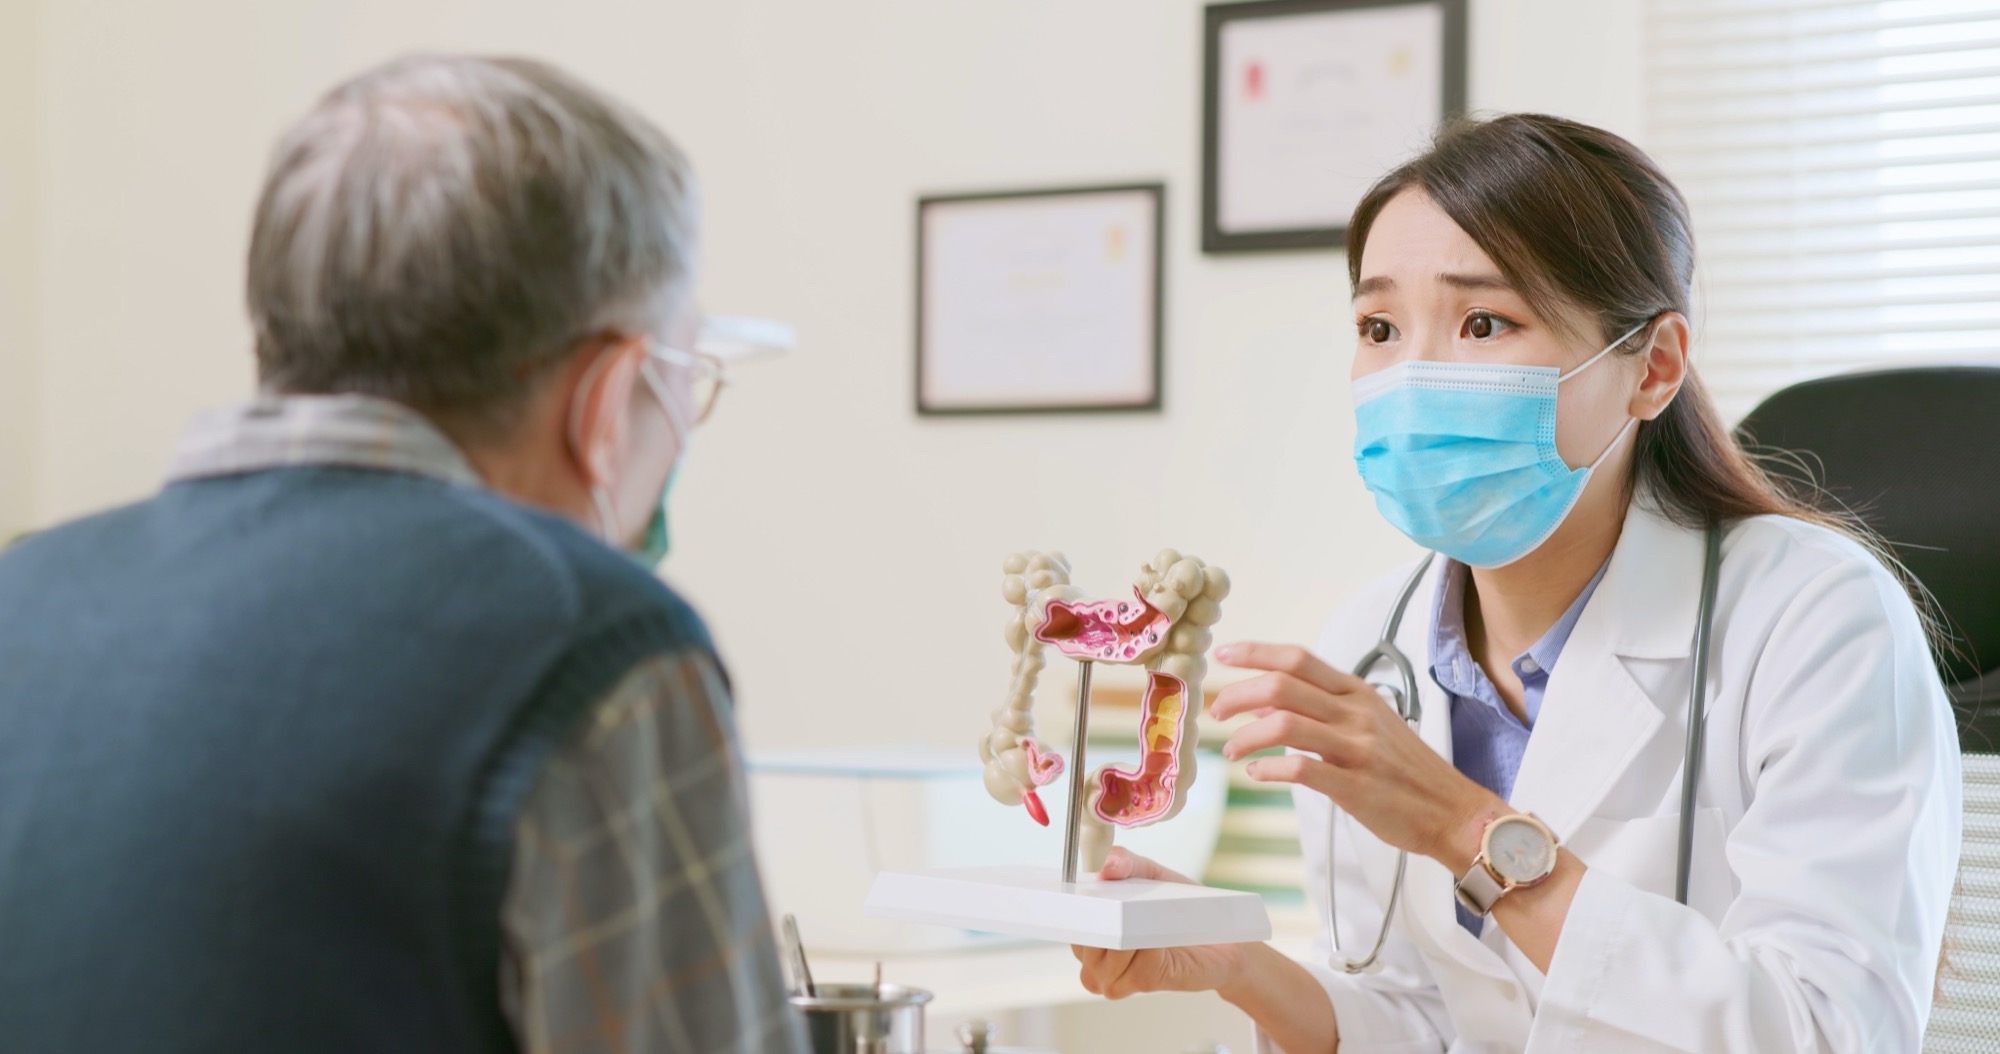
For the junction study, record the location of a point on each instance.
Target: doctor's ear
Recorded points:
(1666, 364)
(599, 405)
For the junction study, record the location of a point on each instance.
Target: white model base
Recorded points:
(1033, 902)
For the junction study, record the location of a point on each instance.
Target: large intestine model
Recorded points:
(1164, 628)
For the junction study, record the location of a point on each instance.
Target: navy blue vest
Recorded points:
(263, 740)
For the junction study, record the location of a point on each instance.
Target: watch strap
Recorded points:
(1479, 889)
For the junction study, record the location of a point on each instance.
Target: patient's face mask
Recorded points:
(653, 543)
(1461, 457)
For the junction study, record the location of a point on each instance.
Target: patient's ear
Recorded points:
(601, 405)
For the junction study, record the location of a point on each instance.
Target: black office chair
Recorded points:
(1916, 453)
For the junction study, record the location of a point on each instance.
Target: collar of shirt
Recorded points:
(1452, 665)
(276, 431)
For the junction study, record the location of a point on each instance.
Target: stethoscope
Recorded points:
(1403, 696)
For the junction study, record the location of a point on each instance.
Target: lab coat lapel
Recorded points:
(1596, 717)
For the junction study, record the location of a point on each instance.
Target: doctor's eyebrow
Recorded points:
(1380, 283)
(1477, 281)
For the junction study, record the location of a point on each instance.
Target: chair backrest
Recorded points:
(1965, 1019)
(1916, 453)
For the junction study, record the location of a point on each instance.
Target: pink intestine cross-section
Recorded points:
(1104, 630)
(1163, 627)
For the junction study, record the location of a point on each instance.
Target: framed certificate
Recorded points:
(1308, 102)
(1040, 301)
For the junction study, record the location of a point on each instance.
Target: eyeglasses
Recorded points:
(706, 376)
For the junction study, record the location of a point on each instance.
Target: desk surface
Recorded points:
(989, 980)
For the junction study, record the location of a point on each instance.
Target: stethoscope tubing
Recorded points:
(1411, 710)
(1697, 711)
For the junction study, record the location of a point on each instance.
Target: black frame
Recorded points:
(1213, 238)
(1159, 193)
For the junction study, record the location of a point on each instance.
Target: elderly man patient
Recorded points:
(371, 731)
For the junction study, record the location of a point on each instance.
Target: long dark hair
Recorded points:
(1576, 217)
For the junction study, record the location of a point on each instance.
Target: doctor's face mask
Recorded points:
(1461, 456)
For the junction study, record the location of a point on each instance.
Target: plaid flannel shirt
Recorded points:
(634, 918)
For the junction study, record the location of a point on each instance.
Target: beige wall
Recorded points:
(845, 550)
(19, 258)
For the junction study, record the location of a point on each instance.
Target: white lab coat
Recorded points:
(1826, 843)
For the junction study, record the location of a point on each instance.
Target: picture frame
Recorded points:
(1041, 301)
(1307, 102)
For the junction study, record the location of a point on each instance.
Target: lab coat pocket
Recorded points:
(1644, 851)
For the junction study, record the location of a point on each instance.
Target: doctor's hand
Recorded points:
(1116, 974)
(1349, 744)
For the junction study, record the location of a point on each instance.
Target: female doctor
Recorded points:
(1526, 409)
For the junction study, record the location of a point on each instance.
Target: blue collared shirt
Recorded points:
(1487, 740)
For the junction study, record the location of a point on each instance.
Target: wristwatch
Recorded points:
(1516, 852)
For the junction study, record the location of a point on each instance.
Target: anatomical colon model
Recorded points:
(1164, 628)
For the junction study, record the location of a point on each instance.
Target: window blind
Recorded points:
(1842, 161)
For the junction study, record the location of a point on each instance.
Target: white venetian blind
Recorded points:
(1842, 161)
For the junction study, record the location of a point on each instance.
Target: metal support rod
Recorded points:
(1076, 806)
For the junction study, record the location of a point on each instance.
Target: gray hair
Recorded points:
(441, 229)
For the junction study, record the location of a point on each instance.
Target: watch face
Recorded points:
(1519, 851)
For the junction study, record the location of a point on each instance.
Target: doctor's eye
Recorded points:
(1485, 325)
(1377, 331)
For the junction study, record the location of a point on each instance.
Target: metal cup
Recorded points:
(864, 1018)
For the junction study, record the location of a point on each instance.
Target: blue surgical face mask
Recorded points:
(1461, 457)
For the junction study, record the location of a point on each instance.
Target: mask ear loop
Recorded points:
(1587, 363)
(1608, 348)
(1613, 445)
(682, 431)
